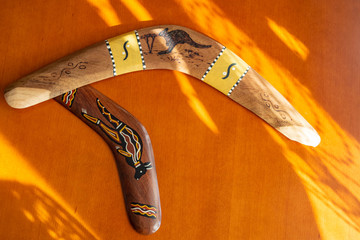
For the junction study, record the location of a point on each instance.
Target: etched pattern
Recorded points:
(67, 70)
(151, 36)
(283, 114)
(176, 37)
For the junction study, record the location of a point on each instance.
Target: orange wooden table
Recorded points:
(223, 173)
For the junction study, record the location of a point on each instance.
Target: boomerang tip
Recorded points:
(303, 135)
(23, 97)
(146, 229)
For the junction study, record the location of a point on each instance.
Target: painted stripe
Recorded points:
(125, 50)
(144, 214)
(69, 97)
(111, 133)
(224, 64)
(126, 53)
(108, 115)
(124, 153)
(137, 164)
(143, 206)
(143, 210)
(130, 147)
(91, 118)
(141, 52)
(111, 56)
(213, 63)
(238, 81)
(137, 143)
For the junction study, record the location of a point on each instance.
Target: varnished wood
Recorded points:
(58, 178)
(132, 149)
(81, 68)
(256, 94)
(166, 47)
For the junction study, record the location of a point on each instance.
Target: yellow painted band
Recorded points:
(226, 71)
(126, 53)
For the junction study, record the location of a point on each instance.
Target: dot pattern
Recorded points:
(141, 52)
(212, 64)
(112, 57)
(238, 81)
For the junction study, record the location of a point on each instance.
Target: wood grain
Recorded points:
(257, 95)
(132, 149)
(223, 173)
(81, 68)
(165, 47)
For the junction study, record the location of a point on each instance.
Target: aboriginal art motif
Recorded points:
(176, 37)
(69, 97)
(126, 53)
(168, 48)
(213, 63)
(128, 140)
(238, 81)
(227, 73)
(143, 210)
(111, 56)
(283, 114)
(149, 37)
(66, 71)
(141, 51)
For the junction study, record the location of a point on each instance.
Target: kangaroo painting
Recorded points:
(176, 37)
(130, 144)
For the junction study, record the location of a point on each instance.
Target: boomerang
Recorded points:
(132, 150)
(166, 47)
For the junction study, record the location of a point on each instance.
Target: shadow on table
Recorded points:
(28, 211)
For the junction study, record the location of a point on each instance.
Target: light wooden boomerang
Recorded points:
(166, 47)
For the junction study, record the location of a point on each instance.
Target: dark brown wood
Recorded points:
(132, 150)
(258, 186)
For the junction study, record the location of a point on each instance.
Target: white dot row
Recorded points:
(111, 55)
(141, 52)
(212, 64)
(238, 81)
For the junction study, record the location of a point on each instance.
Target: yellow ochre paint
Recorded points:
(226, 71)
(126, 53)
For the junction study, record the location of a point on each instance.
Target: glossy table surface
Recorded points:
(223, 173)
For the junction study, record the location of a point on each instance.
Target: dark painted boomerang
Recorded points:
(131, 147)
